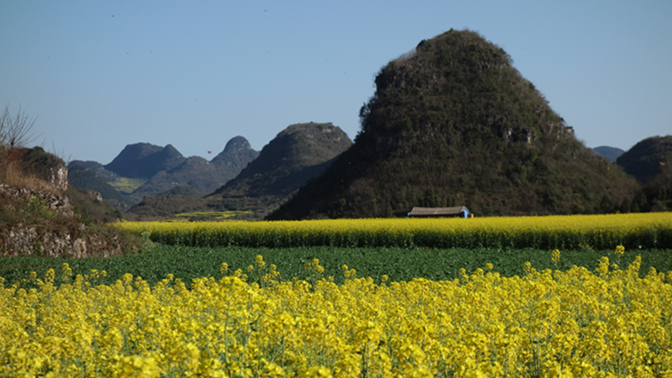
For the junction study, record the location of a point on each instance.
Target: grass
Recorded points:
(210, 215)
(400, 264)
(128, 185)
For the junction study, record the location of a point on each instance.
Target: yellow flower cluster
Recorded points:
(646, 230)
(545, 324)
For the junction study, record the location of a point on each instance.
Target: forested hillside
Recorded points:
(454, 123)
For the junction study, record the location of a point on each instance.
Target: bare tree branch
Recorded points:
(16, 131)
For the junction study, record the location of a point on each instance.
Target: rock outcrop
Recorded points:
(55, 232)
(46, 167)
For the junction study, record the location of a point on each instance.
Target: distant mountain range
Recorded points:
(284, 165)
(143, 169)
(297, 154)
(151, 181)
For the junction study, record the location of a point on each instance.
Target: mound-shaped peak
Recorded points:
(296, 154)
(461, 85)
(304, 144)
(610, 153)
(237, 143)
(648, 158)
(144, 160)
(236, 154)
(453, 123)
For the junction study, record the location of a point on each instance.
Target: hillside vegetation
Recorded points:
(648, 158)
(80, 176)
(453, 123)
(297, 153)
(650, 161)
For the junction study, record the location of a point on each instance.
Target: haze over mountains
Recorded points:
(451, 123)
(611, 153)
(157, 169)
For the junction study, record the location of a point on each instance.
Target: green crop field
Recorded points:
(128, 185)
(210, 215)
(399, 264)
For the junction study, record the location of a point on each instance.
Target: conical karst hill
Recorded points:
(297, 154)
(453, 123)
(648, 158)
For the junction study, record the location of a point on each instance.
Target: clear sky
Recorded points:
(99, 75)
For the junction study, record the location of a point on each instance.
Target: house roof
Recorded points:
(437, 211)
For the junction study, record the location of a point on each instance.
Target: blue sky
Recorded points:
(99, 75)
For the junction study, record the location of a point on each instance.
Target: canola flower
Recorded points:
(577, 323)
(645, 230)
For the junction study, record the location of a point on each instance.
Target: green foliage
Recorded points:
(128, 185)
(400, 264)
(165, 206)
(144, 160)
(29, 209)
(657, 193)
(295, 156)
(38, 208)
(92, 208)
(81, 177)
(32, 212)
(183, 190)
(211, 215)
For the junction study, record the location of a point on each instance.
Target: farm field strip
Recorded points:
(398, 264)
(219, 311)
(609, 322)
(642, 230)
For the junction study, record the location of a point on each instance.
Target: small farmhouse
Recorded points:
(436, 212)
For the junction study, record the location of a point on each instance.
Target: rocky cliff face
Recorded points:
(53, 232)
(46, 167)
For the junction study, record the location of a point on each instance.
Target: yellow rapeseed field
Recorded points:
(605, 323)
(643, 230)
